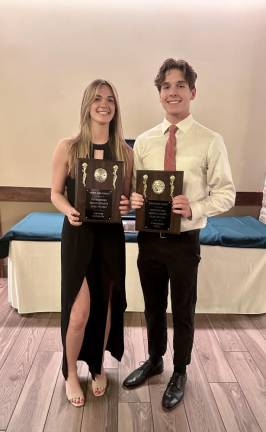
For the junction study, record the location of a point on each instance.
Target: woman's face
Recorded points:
(103, 107)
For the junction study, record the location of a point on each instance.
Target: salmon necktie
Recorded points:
(170, 150)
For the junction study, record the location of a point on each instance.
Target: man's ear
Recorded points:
(193, 93)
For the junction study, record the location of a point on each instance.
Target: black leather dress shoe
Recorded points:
(174, 392)
(139, 376)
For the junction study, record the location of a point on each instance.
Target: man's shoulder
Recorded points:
(205, 132)
(150, 133)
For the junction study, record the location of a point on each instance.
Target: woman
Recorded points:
(93, 254)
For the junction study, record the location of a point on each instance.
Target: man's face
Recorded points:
(175, 96)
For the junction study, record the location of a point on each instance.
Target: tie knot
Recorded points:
(172, 129)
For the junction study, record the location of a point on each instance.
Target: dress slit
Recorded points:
(94, 251)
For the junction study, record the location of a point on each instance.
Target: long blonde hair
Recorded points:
(81, 145)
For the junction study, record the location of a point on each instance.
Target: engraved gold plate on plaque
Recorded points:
(100, 175)
(158, 186)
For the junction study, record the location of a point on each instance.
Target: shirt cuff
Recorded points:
(196, 209)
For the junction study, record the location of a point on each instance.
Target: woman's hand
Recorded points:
(180, 205)
(124, 205)
(73, 217)
(137, 200)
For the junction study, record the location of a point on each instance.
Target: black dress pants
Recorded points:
(173, 258)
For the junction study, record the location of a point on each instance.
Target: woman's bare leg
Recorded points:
(75, 333)
(100, 381)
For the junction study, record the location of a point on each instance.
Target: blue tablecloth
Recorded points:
(229, 231)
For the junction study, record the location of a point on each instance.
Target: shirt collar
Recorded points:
(183, 125)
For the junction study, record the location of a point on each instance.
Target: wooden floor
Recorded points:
(226, 388)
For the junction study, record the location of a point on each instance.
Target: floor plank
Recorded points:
(34, 401)
(253, 340)
(14, 372)
(134, 417)
(101, 413)
(5, 308)
(252, 383)
(9, 333)
(62, 416)
(228, 337)
(109, 361)
(234, 409)
(52, 336)
(260, 322)
(3, 284)
(210, 353)
(200, 405)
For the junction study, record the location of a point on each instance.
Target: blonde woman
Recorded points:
(93, 254)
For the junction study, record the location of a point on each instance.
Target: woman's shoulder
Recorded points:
(65, 143)
(63, 147)
(62, 151)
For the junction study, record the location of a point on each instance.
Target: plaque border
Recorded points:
(173, 187)
(84, 179)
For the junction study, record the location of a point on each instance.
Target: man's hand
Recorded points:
(180, 205)
(73, 217)
(137, 200)
(124, 205)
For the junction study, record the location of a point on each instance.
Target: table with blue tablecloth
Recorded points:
(232, 272)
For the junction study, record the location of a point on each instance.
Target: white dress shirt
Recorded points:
(201, 154)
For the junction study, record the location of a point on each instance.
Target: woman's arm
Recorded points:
(59, 174)
(124, 202)
(128, 174)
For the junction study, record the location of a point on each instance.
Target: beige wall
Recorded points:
(50, 50)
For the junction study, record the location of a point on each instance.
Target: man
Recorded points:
(207, 191)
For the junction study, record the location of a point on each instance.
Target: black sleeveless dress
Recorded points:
(95, 251)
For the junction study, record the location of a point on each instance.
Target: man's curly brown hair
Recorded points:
(189, 74)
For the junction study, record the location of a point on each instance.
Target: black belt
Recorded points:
(162, 235)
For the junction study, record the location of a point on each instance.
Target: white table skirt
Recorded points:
(230, 280)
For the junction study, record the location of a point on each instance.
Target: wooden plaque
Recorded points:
(98, 189)
(158, 188)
